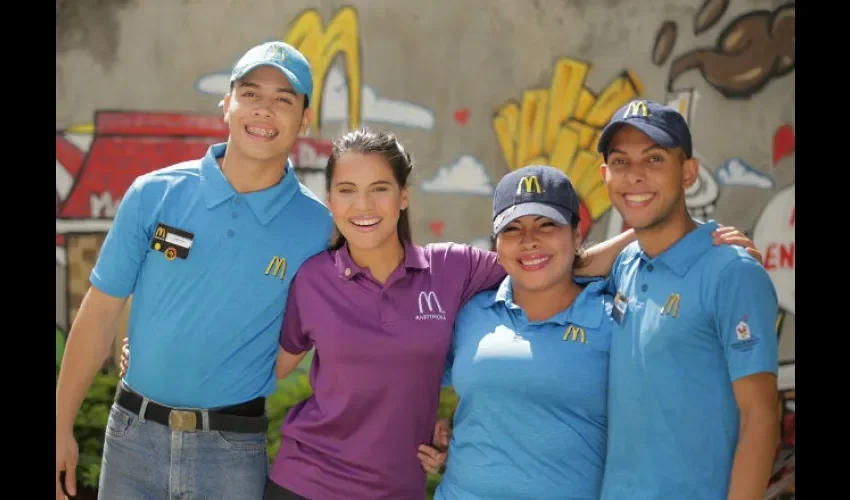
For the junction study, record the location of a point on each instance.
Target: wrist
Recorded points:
(64, 425)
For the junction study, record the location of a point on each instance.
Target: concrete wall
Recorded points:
(475, 88)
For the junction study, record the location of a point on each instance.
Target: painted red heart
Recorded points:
(462, 116)
(783, 143)
(437, 227)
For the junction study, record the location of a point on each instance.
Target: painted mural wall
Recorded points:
(475, 89)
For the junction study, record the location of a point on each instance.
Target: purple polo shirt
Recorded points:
(376, 373)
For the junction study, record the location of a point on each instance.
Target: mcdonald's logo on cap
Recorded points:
(276, 52)
(529, 184)
(575, 334)
(636, 108)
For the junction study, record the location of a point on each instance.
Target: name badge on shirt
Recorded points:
(621, 304)
(174, 243)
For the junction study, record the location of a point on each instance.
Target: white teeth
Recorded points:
(534, 262)
(366, 222)
(638, 197)
(261, 132)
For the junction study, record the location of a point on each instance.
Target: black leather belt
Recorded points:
(186, 420)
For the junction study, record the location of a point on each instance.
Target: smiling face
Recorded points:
(645, 182)
(537, 252)
(264, 115)
(366, 200)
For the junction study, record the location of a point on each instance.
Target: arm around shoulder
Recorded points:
(598, 260)
(483, 271)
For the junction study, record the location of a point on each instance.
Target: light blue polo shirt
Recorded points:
(531, 416)
(697, 317)
(209, 270)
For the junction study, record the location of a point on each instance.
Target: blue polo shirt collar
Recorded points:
(587, 310)
(685, 252)
(264, 204)
(414, 258)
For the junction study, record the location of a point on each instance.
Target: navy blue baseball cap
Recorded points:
(534, 190)
(663, 124)
(285, 58)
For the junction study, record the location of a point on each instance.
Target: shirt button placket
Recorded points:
(644, 278)
(235, 207)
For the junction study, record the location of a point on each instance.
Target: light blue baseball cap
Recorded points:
(282, 56)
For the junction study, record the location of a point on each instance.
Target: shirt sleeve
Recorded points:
(293, 338)
(483, 270)
(746, 307)
(120, 259)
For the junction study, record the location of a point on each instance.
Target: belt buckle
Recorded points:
(186, 421)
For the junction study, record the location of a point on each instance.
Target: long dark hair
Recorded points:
(386, 144)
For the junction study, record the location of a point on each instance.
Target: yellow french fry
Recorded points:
(586, 100)
(620, 91)
(566, 146)
(567, 83)
(532, 123)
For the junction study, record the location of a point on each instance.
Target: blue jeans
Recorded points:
(144, 460)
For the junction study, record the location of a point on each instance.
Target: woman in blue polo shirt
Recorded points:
(379, 312)
(529, 361)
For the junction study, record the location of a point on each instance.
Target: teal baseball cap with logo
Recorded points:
(285, 58)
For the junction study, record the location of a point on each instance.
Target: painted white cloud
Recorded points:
(736, 172)
(216, 84)
(465, 176)
(374, 108)
(381, 110)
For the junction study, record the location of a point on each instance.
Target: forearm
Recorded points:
(89, 344)
(754, 455)
(598, 259)
(287, 363)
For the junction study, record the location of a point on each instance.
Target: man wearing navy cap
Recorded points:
(692, 385)
(207, 248)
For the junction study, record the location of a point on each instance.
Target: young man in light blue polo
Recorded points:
(207, 248)
(692, 392)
